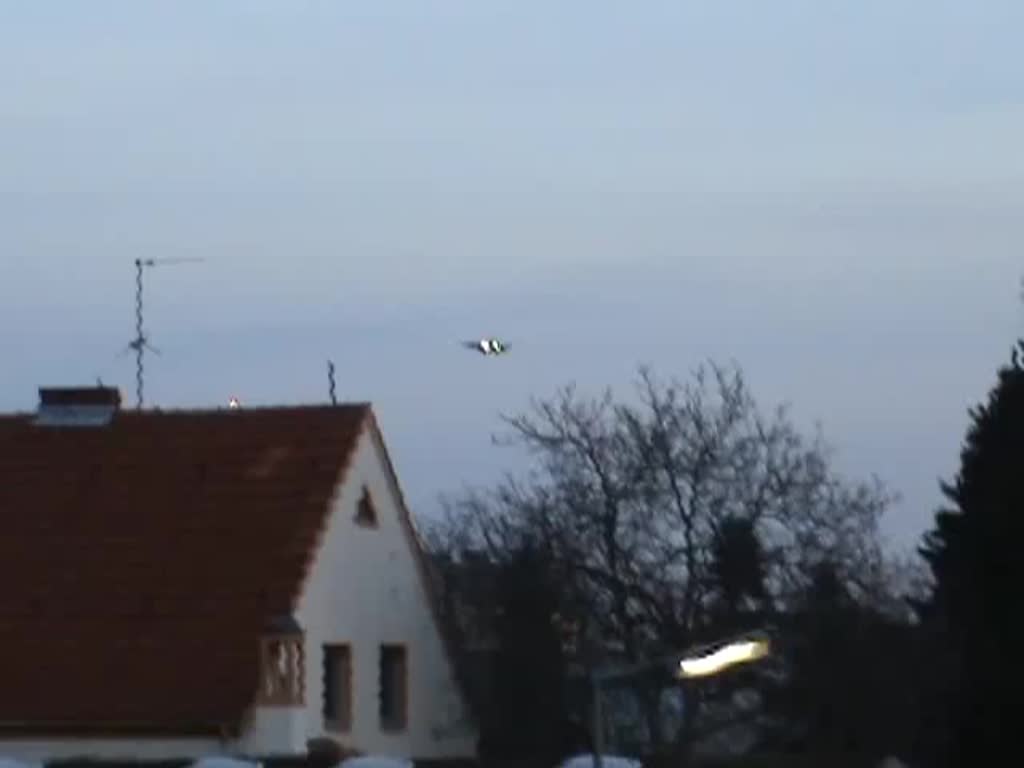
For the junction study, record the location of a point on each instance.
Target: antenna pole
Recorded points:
(140, 342)
(140, 339)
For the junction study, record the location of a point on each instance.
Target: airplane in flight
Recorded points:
(488, 346)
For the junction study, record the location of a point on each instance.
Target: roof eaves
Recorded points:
(339, 483)
(423, 566)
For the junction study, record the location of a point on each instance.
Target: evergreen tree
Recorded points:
(974, 555)
(738, 576)
(528, 675)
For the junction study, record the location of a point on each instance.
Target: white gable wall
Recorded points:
(364, 589)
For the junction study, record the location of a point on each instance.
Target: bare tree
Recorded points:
(657, 508)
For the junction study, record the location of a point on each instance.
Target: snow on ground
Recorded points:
(7, 762)
(375, 761)
(607, 761)
(222, 762)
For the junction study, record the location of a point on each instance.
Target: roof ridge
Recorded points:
(354, 405)
(244, 408)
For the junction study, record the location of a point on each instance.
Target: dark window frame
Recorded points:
(392, 721)
(340, 720)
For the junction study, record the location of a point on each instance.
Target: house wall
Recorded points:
(365, 590)
(111, 749)
(274, 731)
(270, 731)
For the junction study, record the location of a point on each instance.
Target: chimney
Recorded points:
(77, 406)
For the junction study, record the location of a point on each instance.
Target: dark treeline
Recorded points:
(651, 524)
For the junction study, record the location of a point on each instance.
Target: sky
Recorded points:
(827, 193)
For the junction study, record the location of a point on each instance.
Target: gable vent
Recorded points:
(77, 406)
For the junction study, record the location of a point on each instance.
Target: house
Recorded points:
(236, 581)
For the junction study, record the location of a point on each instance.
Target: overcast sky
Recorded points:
(828, 193)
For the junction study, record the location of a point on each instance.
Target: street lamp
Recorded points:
(705, 661)
(739, 652)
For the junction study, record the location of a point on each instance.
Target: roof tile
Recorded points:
(142, 560)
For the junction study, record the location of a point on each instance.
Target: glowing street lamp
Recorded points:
(741, 652)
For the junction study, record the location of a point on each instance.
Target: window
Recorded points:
(394, 694)
(366, 512)
(338, 687)
(281, 670)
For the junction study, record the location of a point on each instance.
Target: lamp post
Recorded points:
(704, 661)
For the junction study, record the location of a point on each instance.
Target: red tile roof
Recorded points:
(140, 562)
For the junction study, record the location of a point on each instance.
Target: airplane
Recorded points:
(487, 347)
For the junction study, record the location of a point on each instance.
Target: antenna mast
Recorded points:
(140, 343)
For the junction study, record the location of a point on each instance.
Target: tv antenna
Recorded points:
(331, 382)
(141, 341)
